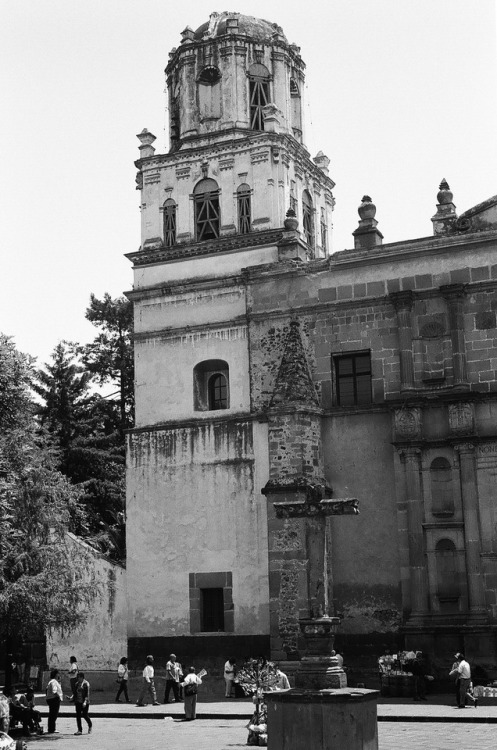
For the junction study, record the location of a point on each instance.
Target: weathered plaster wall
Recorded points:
(194, 506)
(102, 640)
(164, 372)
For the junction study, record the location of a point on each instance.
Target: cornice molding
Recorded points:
(178, 424)
(233, 242)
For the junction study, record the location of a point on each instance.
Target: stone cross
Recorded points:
(318, 668)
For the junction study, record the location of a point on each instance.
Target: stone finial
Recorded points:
(187, 35)
(146, 139)
(444, 194)
(322, 161)
(291, 222)
(367, 209)
(367, 235)
(444, 221)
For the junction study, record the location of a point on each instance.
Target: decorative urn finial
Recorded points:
(367, 209)
(291, 222)
(444, 194)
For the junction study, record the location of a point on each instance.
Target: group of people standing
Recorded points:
(184, 688)
(80, 696)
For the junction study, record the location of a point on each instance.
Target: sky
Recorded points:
(400, 94)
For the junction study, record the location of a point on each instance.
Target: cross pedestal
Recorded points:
(319, 667)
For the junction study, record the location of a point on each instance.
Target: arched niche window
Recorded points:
(211, 385)
(259, 78)
(243, 202)
(209, 93)
(296, 109)
(324, 231)
(448, 579)
(442, 496)
(307, 218)
(207, 216)
(169, 218)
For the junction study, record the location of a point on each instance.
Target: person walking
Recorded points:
(463, 671)
(81, 698)
(54, 698)
(229, 677)
(122, 678)
(173, 676)
(148, 687)
(190, 687)
(73, 673)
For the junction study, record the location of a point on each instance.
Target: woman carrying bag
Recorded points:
(190, 688)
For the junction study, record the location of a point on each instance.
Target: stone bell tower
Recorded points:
(237, 154)
(237, 191)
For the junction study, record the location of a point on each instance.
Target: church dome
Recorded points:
(222, 23)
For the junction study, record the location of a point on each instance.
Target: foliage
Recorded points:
(43, 583)
(88, 428)
(109, 358)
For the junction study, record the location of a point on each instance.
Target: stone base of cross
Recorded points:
(319, 667)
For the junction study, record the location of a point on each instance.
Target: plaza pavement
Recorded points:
(437, 709)
(221, 725)
(228, 734)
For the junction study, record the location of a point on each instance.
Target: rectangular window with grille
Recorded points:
(353, 379)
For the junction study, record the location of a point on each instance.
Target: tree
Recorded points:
(85, 430)
(109, 358)
(64, 389)
(43, 584)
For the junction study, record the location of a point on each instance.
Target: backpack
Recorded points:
(191, 688)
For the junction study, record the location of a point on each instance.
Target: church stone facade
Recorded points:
(269, 369)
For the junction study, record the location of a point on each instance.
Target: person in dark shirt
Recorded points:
(81, 698)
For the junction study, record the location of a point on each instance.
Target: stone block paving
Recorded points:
(227, 734)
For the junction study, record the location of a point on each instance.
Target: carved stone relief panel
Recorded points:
(461, 418)
(407, 423)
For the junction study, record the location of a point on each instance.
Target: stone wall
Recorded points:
(102, 640)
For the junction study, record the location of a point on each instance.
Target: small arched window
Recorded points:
(442, 496)
(243, 201)
(307, 218)
(169, 223)
(207, 215)
(211, 385)
(259, 78)
(448, 579)
(217, 390)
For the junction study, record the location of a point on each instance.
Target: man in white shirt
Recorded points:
(464, 672)
(148, 684)
(174, 673)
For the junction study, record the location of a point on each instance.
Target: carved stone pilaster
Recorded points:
(469, 494)
(403, 302)
(454, 295)
(418, 577)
